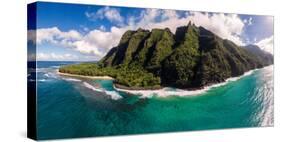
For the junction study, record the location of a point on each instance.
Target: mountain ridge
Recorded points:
(193, 57)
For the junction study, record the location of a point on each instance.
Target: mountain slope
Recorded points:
(178, 68)
(264, 57)
(192, 58)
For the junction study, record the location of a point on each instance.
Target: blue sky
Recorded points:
(87, 32)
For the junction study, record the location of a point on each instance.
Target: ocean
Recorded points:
(70, 107)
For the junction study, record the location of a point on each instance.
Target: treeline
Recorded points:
(131, 77)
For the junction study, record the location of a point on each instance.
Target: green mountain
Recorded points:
(191, 58)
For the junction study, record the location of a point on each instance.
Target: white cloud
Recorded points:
(228, 26)
(95, 42)
(112, 14)
(266, 44)
(99, 41)
(55, 57)
(155, 18)
(255, 39)
(249, 21)
(102, 28)
(54, 35)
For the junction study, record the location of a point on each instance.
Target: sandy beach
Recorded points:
(83, 76)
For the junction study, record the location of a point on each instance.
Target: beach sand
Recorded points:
(83, 76)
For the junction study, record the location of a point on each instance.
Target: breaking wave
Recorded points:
(72, 79)
(113, 94)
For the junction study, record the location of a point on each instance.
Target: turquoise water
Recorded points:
(72, 107)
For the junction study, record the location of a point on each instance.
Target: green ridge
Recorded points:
(192, 58)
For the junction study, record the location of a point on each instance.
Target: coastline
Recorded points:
(163, 91)
(84, 76)
(168, 91)
(136, 88)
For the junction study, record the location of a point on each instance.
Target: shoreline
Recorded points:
(164, 91)
(120, 86)
(85, 76)
(169, 91)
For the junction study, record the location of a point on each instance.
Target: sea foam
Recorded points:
(72, 79)
(47, 75)
(42, 80)
(168, 91)
(113, 94)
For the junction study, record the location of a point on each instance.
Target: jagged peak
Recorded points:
(167, 29)
(142, 30)
(158, 29)
(128, 33)
(189, 23)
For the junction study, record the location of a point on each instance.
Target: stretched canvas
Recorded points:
(97, 70)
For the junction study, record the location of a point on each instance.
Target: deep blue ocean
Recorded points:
(70, 107)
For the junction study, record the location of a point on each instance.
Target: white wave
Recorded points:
(72, 79)
(48, 69)
(55, 67)
(43, 70)
(268, 116)
(47, 75)
(164, 92)
(41, 80)
(92, 87)
(238, 77)
(40, 69)
(167, 91)
(50, 75)
(113, 94)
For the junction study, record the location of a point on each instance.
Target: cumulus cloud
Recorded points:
(55, 57)
(54, 35)
(266, 44)
(99, 41)
(155, 18)
(228, 26)
(112, 14)
(95, 42)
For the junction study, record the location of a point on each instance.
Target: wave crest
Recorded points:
(113, 94)
(72, 79)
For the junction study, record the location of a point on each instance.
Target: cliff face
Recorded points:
(193, 57)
